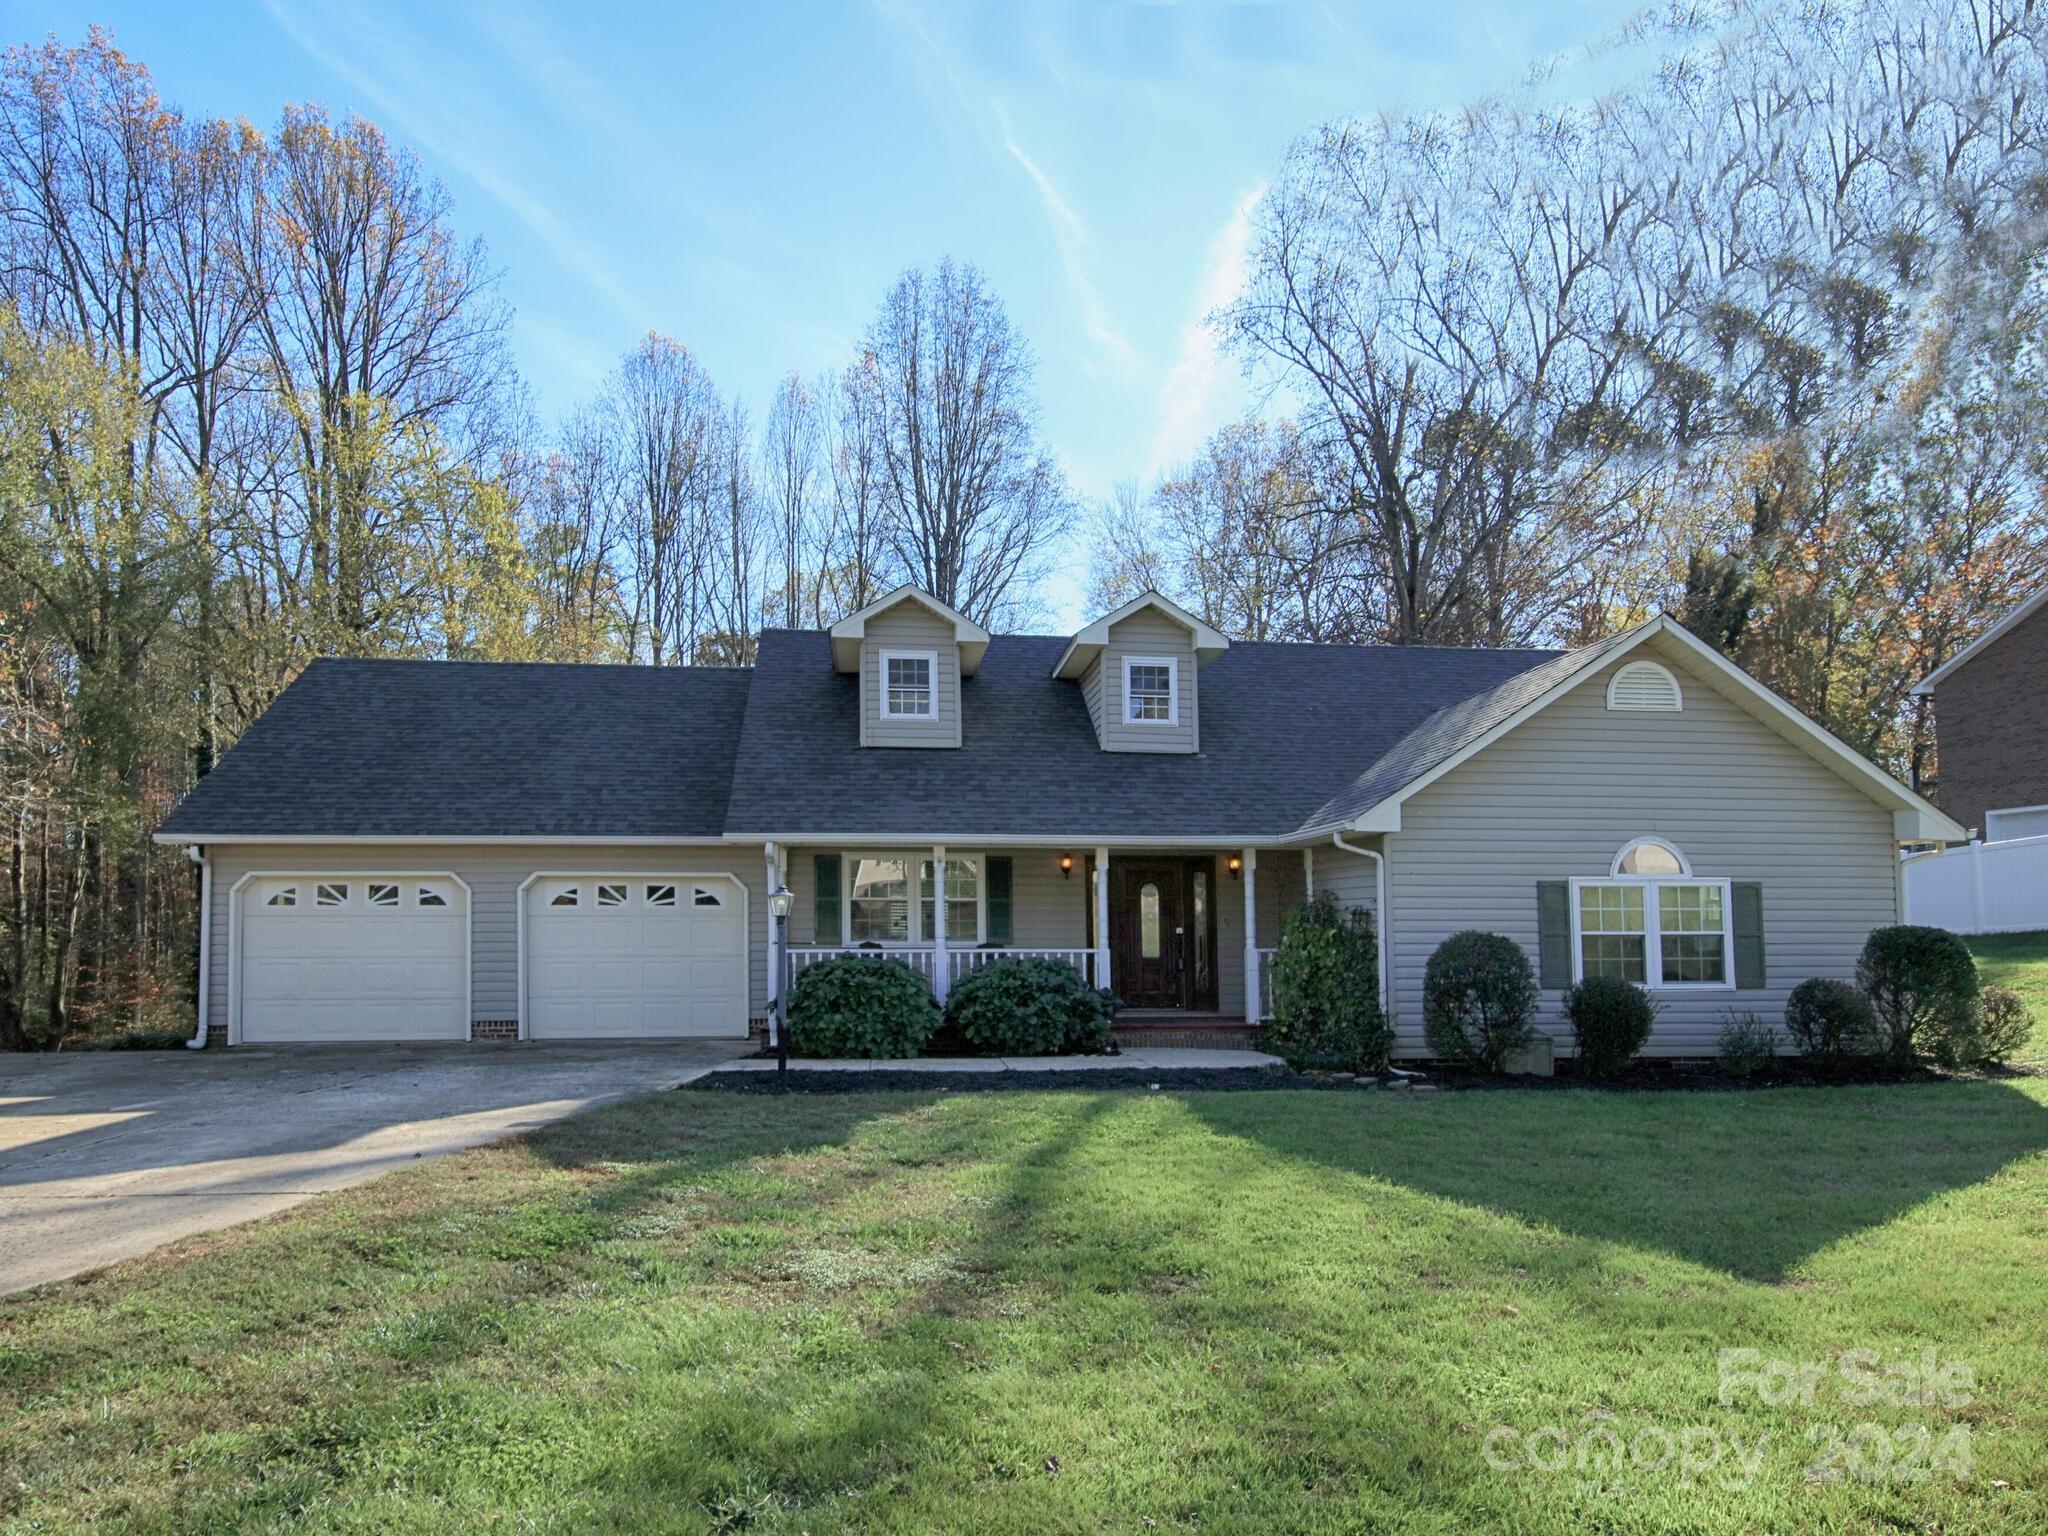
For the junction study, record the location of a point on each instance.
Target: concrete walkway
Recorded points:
(108, 1154)
(1161, 1059)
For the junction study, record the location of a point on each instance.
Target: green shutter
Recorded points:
(827, 899)
(1554, 934)
(999, 899)
(1749, 935)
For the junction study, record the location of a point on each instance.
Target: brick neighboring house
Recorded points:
(1991, 726)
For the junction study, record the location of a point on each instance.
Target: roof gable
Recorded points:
(2011, 620)
(1460, 731)
(1208, 643)
(848, 633)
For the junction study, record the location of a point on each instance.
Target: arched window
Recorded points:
(1645, 685)
(1650, 857)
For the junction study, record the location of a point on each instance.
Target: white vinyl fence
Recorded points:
(1997, 887)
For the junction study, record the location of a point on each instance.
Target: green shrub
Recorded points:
(860, 1006)
(2003, 1024)
(1922, 984)
(1029, 1007)
(1611, 1020)
(1830, 1021)
(1478, 999)
(1326, 1006)
(1748, 1047)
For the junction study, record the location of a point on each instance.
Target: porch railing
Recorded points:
(1266, 983)
(923, 958)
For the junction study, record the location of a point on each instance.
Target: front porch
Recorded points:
(1185, 936)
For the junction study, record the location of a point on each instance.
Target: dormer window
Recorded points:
(909, 685)
(1150, 694)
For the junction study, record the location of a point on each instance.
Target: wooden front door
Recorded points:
(1157, 959)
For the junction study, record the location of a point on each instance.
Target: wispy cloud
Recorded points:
(454, 145)
(1071, 236)
(1186, 395)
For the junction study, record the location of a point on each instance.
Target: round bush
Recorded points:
(1830, 1021)
(1326, 1007)
(1611, 1021)
(1030, 1007)
(2003, 1024)
(1748, 1047)
(860, 1006)
(1922, 984)
(1478, 998)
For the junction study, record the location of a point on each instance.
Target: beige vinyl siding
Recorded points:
(1147, 633)
(1091, 694)
(910, 626)
(494, 875)
(1351, 880)
(1558, 797)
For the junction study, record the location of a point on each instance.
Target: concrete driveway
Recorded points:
(104, 1155)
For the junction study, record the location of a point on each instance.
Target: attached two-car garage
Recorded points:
(328, 956)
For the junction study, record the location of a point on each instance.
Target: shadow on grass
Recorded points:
(1753, 1184)
(802, 1432)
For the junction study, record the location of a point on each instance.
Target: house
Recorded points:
(404, 850)
(1991, 723)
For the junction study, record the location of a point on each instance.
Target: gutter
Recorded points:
(1379, 912)
(197, 855)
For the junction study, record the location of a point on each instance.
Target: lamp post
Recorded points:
(779, 903)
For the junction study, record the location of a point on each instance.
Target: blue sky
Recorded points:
(749, 178)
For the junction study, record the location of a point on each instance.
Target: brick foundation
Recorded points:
(494, 1029)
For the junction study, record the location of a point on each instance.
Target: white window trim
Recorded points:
(1172, 665)
(1653, 937)
(915, 860)
(931, 661)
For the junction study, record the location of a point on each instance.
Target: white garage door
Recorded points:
(344, 957)
(629, 955)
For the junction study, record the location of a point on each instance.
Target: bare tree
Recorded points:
(853, 555)
(973, 503)
(791, 449)
(664, 414)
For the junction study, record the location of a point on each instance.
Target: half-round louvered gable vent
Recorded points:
(1644, 685)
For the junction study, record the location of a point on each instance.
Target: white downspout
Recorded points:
(198, 856)
(1379, 913)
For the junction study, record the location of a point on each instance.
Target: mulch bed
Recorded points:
(1642, 1077)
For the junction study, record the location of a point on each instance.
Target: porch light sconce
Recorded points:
(1066, 866)
(1236, 866)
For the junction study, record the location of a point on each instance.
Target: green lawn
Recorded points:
(2019, 961)
(1078, 1311)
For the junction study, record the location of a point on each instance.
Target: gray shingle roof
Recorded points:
(1283, 728)
(464, 750)
(480, 749)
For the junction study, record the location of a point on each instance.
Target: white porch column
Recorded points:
(942, 963)
(1102, 977)
(1308, 872)
(1252, 1011)
(771, 858)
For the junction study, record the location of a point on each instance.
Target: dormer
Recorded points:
(1137, 669)
(910, 651)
